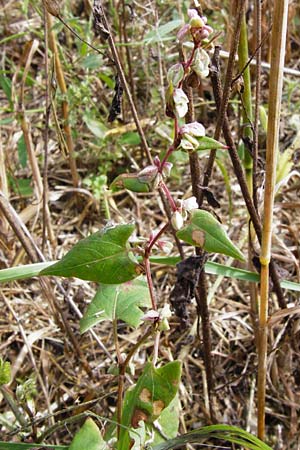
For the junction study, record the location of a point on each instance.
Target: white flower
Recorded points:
(193, 129)
(190, 133)
(187, 145)
(190, 203)
(181, 102)
(165, 312)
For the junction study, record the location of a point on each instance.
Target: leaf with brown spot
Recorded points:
(153, 392)
(206, 232)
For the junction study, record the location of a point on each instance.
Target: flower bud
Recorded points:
(148, 174)
(181, 102)
(167, 167)
(177, 220)
(196, 22)
(184, 30)
(151, 316)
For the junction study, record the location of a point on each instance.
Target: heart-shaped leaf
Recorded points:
(104, 257)
(121, 301)
(145, 401)
(88, 438)
(206, 232)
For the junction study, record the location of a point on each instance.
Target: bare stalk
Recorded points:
(25, 125)
(257, 99)
(278, 42)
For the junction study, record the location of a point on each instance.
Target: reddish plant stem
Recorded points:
(150, 282)
(154, 239)
(148, 249)
(169, 196)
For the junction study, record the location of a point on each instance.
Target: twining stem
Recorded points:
(278, 42)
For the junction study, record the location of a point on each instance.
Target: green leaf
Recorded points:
(168, 421)
(22, 151)
(5, 84)
(206, 232)
(207, 143)
(223, 432)
(14, 446)
(117, 301)
(88, 438)
(95, 126)
(92, 62)
(130, 138)
(162, 31)
(103, 257)
(129, 181)
(5, 374)
(153, 392)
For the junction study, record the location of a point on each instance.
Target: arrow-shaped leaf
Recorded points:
(206, 232)
(103, 257)
(121, 301)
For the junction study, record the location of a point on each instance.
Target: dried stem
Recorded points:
(201, 287)
(239, 173)
(65, 105)
(257, 100)
(278, 42)
(25, 124)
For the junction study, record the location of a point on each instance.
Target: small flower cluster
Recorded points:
(197, 28)
(181, 214)
(190, 132)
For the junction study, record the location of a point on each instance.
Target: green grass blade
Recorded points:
(211, 268)
(23, 272)
(14, 446)
(223, 432)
